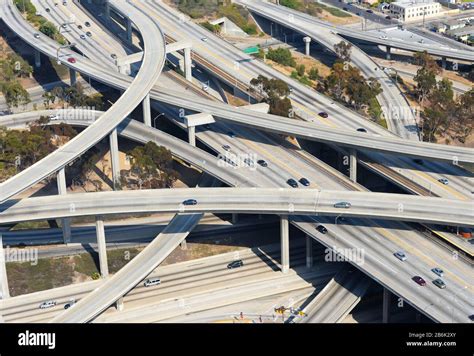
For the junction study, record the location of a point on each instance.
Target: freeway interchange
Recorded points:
(257, 192)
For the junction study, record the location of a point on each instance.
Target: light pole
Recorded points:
(156, 117)
(60, 48)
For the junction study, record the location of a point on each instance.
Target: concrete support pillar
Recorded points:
(101, 246)
(388, 52)
(353, 165)
(72, 75)
(443, 62)
(235, 218)
(309, 251)
(5, 292)
(119, 304)
(114, 158)
(107, 10)
(192, 135)
(307, 43)
(187, 64)
(386, 305)
(147, 110)
(37, 58)
(62, 190)
(129, 30)
(285, 243)
(183, 245)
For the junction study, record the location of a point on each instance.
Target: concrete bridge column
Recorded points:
(146, 110)
(386, 305)
(353, 165)
(187, 64)
(307, 42)
(62, 189)
(107, 10)
(119, 304)
(101, 246)
(192, 135)
(235, 218)
(37, 58)
(285, 243)
(443, 62)
(309, 251)
(388, 54)
(3, 273)
(114, 158)
(72, 75)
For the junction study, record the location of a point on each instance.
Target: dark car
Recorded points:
(190, 202)
(113, 55)
(388, 17)
(471, 317)
(262, 162)
(304, 181)
(418, 161)
(235, 264)
(291, 182)
(419, 280)
(345, 9)
(47, 9)
(231, 134)
(361, 129)
(87, 23)
(322, 229)
(89, 34)
(438, 282)
(358, 13)
(323, 114)
(79, 27)
(370, 11)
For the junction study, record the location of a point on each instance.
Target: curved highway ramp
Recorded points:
(338, 298)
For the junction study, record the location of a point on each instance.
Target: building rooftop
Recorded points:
(409, 3)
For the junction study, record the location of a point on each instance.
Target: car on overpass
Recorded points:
(322, 229)
(438, 282)
(292, 183)
(342, 205)
(400, 255)
(47, 304)
(190, 202)
(419, 280)
(152, 282)
(305, 182)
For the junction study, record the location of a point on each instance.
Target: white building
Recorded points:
(414, 10)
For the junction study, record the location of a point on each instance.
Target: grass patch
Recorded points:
(27, 225)
(48, 273)
(120, 257)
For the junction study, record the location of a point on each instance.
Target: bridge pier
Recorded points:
(72, 76)
(307, 43)
(129, 29)
(101, 246)
(353, 165)
(62, 190)
(119, 304)
(146, 110)
(192, 135)
(235, 218)
(37, 58)
(187, 64)
(285, 243)
(386, 305)
(388, 54)
(3, 273)
(443, 62)
(309, 251)
(114, 158)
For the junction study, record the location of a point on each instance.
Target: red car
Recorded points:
(71, 60)
(419, 280)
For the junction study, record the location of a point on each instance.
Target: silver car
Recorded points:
(400, 255)
(47, 304)
(343, 205)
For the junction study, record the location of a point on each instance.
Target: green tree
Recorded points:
(313, 73)
(425, 60)
(48, 29)
(15, 95)
(343, 50)
(426, 82)
(301, 69)
(282, 56)
(276, 94)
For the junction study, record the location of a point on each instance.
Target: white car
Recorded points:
(36, 35)
(443, 181)
(400, 255)
(47, 304)
(204, 39)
